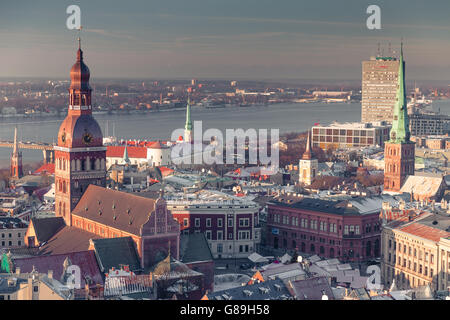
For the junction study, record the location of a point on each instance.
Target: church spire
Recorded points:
(400, 123)
(16, 146)
(188, 125)
(126, 159)
(308, 154)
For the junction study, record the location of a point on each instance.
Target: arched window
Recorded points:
(72, 166)
(83, 165)
(103, 164)
(92, 163)
(97, 164)
(78, 165)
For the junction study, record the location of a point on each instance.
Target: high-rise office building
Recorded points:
(379, 87)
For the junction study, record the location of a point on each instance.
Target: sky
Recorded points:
(222, 39)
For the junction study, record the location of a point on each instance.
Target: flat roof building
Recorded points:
(350, 135)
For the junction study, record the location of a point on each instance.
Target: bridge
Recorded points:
(47, 149)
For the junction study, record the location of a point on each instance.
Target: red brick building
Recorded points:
(80, 157)
(349, 229)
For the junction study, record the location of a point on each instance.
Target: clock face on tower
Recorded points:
(87, 138)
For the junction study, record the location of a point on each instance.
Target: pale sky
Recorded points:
(231, 39)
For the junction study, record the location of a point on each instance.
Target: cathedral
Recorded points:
(85, 210)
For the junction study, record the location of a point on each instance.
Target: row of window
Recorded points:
(10, 235)
(242, 235)
(324, 226)
(81, 164)
(11, 243)
(243, 222)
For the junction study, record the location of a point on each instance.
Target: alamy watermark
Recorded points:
(240, 147)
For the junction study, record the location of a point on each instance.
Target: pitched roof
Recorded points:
(48, 168)
(312, 289)
(426, 232)
(194, 248)
(115, 252)
(83, 259)
(68, 239)
(45, 228)
(133, 152)
(271, 289)
(121, 210)
(421, 185)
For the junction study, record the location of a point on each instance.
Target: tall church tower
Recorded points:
(16, 171)
(308, 164)
(399, 151)
(188, 125)
(80, 157)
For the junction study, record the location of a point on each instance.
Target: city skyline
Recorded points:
(249, 40)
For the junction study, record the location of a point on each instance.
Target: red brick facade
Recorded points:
(398, 164)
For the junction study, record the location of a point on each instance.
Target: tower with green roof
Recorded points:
(188, 125)
(399, 151)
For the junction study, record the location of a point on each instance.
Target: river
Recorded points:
(159, 125)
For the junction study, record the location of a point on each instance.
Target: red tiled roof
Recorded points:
(165, 171)
(154, 145)
(48, 168)
(85, 260)
(133, 152)
(426, 232)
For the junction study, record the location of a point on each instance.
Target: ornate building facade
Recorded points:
(399, 150)
(80, 157)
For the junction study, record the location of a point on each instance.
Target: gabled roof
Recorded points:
(114, 252)
(133, 152)
(121, 210)
(85, 260)
(194, 248)
(45, 228)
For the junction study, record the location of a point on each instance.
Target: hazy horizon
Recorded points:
(242, 40)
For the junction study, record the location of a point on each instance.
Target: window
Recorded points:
(219, 235)
(208, 235)
(185, 222)
(244, 222)
(197, 222)
(346, 229)
(219, 222)
(356, 229)
(230, 222)
(208, 222)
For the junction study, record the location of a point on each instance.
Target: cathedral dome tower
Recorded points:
(80, 157)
